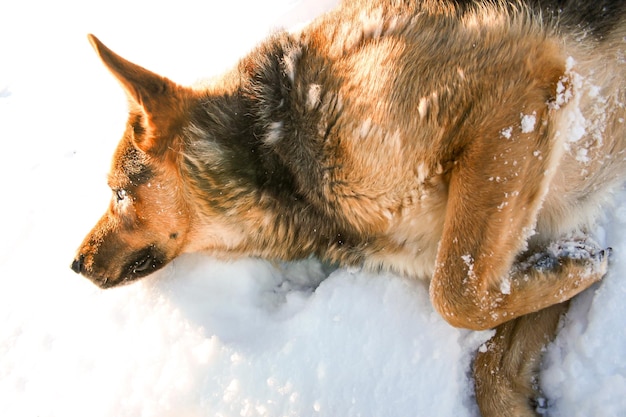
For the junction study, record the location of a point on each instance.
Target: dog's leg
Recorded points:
(506, 367)
(495, 194)
(471, 289)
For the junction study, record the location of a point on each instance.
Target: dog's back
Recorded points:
(598, 19)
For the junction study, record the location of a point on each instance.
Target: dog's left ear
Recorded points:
(161, 100)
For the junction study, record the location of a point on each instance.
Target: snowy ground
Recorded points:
(205, 338)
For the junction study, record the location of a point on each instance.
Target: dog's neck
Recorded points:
(239, 151)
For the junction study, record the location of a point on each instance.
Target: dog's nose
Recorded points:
(78, 265)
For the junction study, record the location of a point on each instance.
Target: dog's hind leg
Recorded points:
(506, 367)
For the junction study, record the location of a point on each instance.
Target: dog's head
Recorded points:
(147, 222)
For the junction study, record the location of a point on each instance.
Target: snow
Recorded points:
(590, 348)
(505, 286)
(203, 337)
(528, 122)
(507, 133)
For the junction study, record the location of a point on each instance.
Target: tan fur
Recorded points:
(470, 145)
(506, 366)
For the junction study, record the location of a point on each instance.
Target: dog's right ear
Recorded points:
(159, 99)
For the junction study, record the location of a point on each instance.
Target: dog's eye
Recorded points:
(120, 194)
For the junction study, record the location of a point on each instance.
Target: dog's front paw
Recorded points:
(585, 249)
(583, 252)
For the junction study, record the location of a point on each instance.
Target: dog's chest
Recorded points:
(409, 245)
(389, 192)
(401, 224)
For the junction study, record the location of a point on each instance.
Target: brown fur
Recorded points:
(437, 139)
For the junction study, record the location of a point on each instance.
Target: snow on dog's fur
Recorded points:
(469, 143)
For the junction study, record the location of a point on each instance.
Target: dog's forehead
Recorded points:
(130, 166)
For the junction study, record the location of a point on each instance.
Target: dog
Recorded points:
(469, 143)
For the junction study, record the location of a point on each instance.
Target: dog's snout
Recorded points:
(78, 265)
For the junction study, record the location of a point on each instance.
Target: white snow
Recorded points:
(505, 286)
(274, 133)
(313, 97)
(209, 338)
(528, 122)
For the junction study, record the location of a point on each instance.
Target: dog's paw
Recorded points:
(583, 252)
(579, 250)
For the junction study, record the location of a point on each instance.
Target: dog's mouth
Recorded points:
(140, 264)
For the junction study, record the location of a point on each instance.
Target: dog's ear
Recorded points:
(160, 100)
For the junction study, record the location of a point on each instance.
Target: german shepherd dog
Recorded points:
(471, 143)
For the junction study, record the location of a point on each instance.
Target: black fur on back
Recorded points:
(596, 17)
(593, 17)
